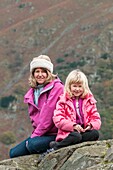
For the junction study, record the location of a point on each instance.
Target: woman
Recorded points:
(41, 99)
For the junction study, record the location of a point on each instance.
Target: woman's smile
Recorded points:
(40, 75)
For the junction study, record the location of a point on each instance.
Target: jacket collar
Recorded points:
(46, 88)
(89, 97)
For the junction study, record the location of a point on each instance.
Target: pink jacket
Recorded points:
(65, 115)
(41, 115)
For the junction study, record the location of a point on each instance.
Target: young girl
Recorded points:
(76, 115)
(41, 99)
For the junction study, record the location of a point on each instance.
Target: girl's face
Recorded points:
(40, 75)
(77, 89)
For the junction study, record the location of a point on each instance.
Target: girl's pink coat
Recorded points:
(41, 116)
(65, 115)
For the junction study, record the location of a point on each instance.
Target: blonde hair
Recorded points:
(50, 76)
(76, 76)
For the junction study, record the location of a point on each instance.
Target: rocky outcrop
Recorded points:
(85, 156)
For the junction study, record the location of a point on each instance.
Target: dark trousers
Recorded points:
(75, 137)
(29, 146)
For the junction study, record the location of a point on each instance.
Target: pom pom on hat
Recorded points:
(42, 61)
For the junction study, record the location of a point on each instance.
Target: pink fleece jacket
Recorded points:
(65, 115)
(41, 115)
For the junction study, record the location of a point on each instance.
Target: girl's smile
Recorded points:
(77, 89)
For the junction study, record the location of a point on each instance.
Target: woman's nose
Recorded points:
(39, 73)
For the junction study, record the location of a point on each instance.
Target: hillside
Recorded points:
(75, 34)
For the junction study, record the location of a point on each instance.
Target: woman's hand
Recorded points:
(78, 128)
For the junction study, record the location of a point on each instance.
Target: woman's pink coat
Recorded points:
(41, 115)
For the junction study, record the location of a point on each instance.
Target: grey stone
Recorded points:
(96, 155)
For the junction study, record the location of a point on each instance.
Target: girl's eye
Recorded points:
(77, 86)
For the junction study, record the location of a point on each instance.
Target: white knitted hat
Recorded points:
(42, 61)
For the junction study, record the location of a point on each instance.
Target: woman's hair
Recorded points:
(50, 76)
(76, 76)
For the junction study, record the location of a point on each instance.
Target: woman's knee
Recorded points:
(39, 144)
(35, 146)
(30, 145)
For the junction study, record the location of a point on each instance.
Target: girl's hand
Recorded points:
(78, 128)
(88, 127)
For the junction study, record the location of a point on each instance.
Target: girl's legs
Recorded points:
(29, 146)
(75, 137)
(90, 135)
(71, 139)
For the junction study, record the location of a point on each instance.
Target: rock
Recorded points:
(96, 155)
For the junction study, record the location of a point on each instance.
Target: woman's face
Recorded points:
(40, 75)
(77, 89)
